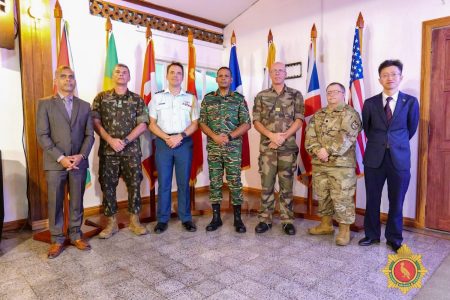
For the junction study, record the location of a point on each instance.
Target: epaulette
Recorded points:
(237, 93)
(213, 93)
(158, 92)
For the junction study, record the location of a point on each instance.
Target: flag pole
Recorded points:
(358, 225)
(192, 186)
(309, 205)
(58, 14)
(148, 36)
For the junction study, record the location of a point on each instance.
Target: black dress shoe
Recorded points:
(160, 227)
(262, 227)
(289, 229)
(189, 226)
(394, 245)
(368, 241)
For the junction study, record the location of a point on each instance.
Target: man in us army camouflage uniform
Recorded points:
(224, 118)
(330, 140)
(277, 115)
(120, 117)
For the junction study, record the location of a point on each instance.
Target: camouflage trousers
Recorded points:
(271, 164)
(335, 188)
(228, 159)
(111, 168)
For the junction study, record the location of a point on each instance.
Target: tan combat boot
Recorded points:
(110, 229)
(343, 236)
(135, 226)
(325, 227)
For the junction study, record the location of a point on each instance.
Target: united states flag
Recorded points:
(356, 99)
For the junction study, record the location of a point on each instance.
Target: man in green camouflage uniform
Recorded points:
(120, 117)
(330, 140)
(277, 114)
(224, 118)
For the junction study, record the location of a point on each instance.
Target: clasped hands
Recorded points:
(173, 141)
(277, 139)
(221, 139)
(71, 162)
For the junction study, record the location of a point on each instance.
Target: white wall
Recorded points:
(11, 124)
(392, 30)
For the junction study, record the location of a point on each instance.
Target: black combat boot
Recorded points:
(216, 221)
(238, 224)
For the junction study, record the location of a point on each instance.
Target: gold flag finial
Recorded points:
(270, 36)
(57, 11)
(360, 21)
(108, 24)
(233, 38)
(313, 31)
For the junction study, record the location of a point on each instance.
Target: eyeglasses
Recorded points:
(330, 93)
(274, 71)
(390, 75)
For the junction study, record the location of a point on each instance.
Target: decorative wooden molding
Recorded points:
(176, 13)
(135, 17)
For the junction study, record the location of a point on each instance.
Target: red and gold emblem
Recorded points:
(404, 270)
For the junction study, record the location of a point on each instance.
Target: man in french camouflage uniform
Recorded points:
(120, 117)
(224, 118)
(277, 115)
(330, 140)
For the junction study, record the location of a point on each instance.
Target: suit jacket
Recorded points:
(60, 135)
(396, 136)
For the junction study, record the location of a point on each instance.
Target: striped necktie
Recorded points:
(387, 110)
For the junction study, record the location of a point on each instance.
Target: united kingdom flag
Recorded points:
(356, 99)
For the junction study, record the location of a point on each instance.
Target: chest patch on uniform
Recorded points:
(187, 104)
(354, 125)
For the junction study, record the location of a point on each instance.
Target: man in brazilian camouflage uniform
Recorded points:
(330, 140)
(120, 117)
(224, 118)
(277, 114)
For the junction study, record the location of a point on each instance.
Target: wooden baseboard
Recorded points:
(39, 224)
(15, 225)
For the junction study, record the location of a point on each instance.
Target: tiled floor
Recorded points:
(214, 265)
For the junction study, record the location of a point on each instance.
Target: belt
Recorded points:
(173, 134)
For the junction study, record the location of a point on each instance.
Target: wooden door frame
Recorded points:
(425, 97)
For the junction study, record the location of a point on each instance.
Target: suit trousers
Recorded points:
(56, 183)
(397, 186)
(166, 159)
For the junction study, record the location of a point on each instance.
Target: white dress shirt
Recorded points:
(392, 103)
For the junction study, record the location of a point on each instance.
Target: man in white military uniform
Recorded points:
(173, 119)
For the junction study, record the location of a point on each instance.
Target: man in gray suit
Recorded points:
(65, 133)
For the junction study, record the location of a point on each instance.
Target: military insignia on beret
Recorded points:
(354, 125)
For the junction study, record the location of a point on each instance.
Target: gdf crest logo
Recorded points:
(404, 270)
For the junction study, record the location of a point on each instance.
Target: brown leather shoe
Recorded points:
(81, 245)
(55, 250)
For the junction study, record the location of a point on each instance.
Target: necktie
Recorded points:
(68, 105)
(387, 110)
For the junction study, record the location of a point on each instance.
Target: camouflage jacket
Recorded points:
(277, 113)
(119, 115)
(224, 115)
(336, 131)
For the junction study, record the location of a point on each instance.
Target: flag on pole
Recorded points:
(110, 63)
(270, 60)
(356, 99)
(236, 85)
(148, 89)
(197, 152)
(312, 104)
(65, 59)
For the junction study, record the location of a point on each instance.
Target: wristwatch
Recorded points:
(230, 138)
(183, 135)
(84, 157)
(126, 141)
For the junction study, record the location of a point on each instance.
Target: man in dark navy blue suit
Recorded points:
(390, 120)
